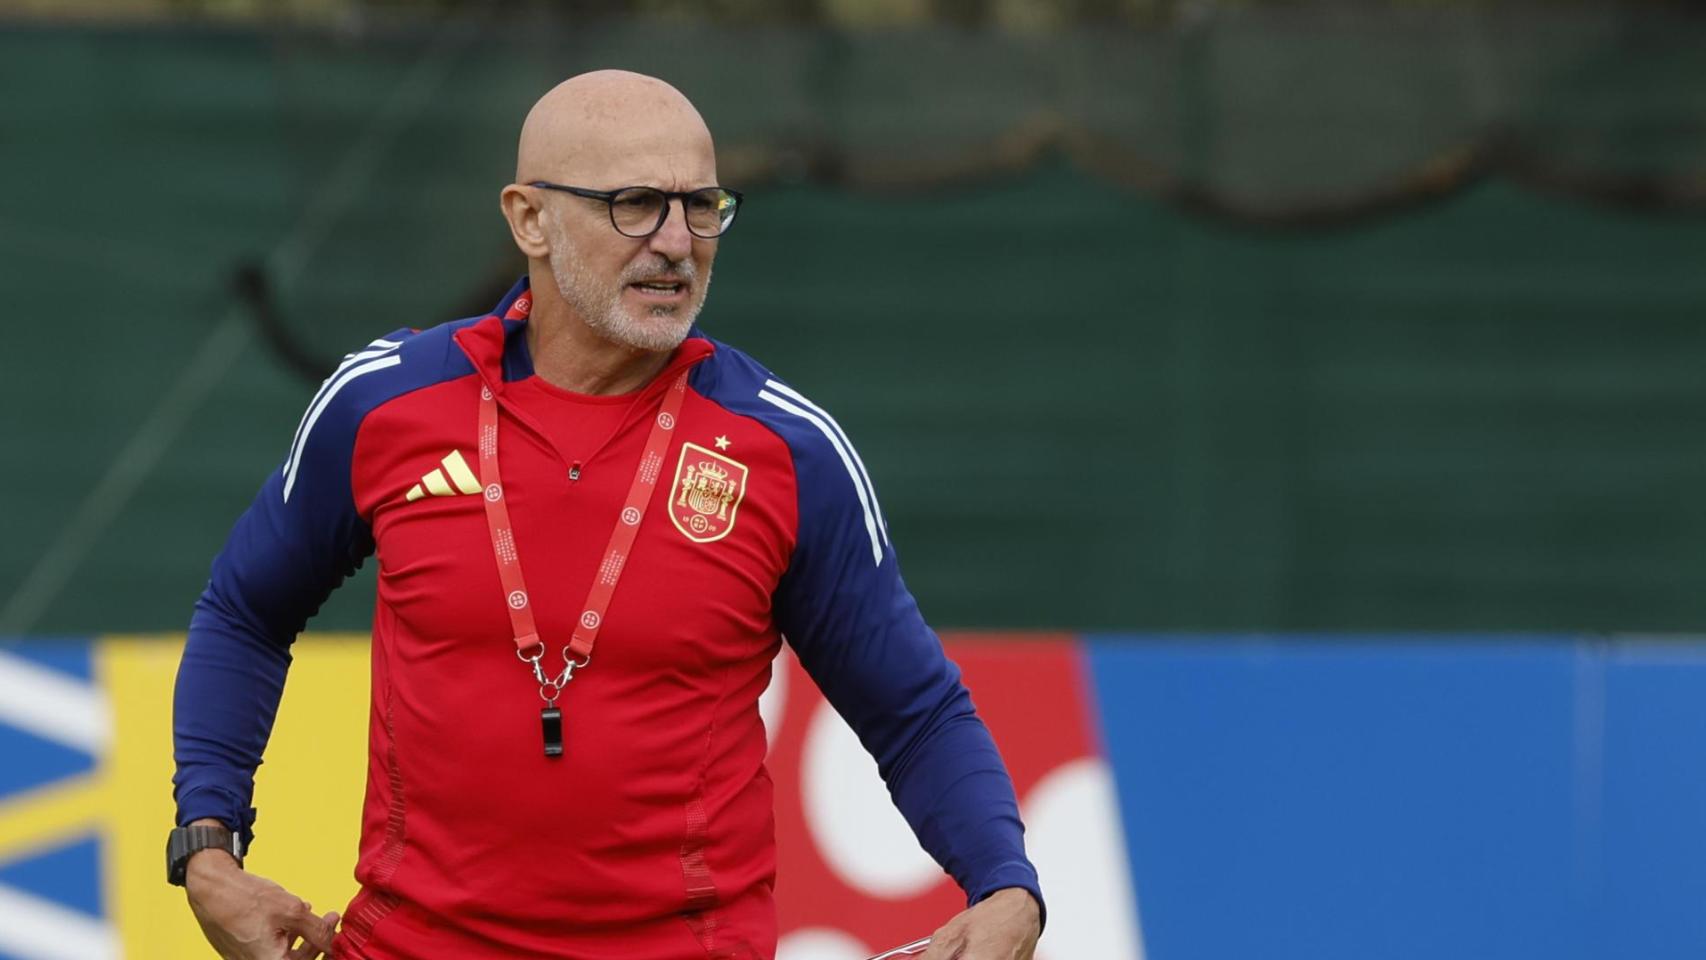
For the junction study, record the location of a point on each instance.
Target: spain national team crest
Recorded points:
(707, 492)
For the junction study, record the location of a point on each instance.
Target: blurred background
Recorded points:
(1292, 413)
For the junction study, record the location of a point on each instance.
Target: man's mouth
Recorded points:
(659, 288)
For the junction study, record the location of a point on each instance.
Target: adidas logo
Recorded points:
(452, 470)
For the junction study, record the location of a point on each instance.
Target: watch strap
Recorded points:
(186, 841)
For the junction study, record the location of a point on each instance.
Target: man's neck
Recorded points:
(568, 354)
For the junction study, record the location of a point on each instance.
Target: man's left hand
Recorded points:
(1003, 926)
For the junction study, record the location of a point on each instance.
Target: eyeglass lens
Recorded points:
(640, 211)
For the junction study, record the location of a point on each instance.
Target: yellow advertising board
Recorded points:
(90, 768)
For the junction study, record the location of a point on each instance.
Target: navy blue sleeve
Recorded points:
(859, 633)
(297, 541)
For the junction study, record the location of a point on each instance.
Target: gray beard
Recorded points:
(660, 330)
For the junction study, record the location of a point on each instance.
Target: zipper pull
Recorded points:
(575, 471)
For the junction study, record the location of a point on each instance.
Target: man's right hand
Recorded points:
(247, 917)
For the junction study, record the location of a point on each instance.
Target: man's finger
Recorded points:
(308, 949)
(317, 931)
(944, 945)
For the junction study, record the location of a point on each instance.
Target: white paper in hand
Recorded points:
(912, 949)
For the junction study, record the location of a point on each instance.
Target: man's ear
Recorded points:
(521, 208)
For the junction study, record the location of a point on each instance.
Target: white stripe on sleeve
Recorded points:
(841, 449)
(870, 488)
(319, 407)
(377, 348)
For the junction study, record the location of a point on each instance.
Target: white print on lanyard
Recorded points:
(578, 652)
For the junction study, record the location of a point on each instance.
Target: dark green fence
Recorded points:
(1348, 325)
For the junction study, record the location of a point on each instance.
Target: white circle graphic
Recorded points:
(589, 619)
(630, 516)
(820, 943)
(1073, 834)
(666, 421)
(774, 701)
(518, 599)
(861, 835)
(485, 393)
(493, 492)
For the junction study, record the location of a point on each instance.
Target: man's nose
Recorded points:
(673, 240)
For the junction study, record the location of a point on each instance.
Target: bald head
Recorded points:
(615, 124)
(594, 283)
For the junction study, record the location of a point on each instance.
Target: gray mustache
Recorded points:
(683, 272)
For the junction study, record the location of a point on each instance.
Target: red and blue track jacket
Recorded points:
(651, 838)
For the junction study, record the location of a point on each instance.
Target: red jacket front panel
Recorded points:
(662, 734)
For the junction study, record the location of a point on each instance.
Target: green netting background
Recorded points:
(1277, 320)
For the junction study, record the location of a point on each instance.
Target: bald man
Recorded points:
(595, 526)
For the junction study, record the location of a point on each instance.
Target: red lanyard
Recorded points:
(578, 652)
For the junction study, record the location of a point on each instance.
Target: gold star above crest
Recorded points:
(722, 443)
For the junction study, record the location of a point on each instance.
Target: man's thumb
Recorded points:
(319, 930)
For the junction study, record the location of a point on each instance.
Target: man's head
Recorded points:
(603, 131)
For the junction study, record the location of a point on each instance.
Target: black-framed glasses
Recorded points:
(639, 212)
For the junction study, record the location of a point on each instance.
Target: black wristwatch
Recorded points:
(188, 840)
